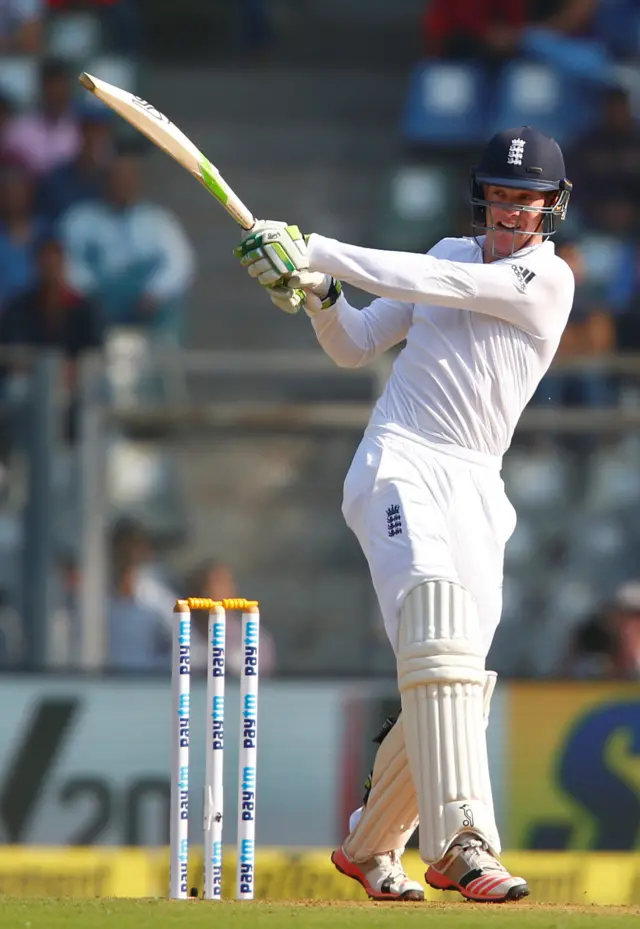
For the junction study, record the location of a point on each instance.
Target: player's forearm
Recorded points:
(342, 333)
(395, 275)
(493, 289)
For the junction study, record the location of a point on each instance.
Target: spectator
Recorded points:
(590, 651)
(614, 216)
(137, 640)
(617, 22)
(624, 297)
(131, 553)
(608, 644)
(51, 314)
(567, 17)
(50, 136)
(149, 584)
(21, 27)
(604, 163)
(130, 539)
(590, 333)
(6, 112)
(20, 230)
(580, 40)
(82, 178)
(215, 580)
(119, 19)
(132, 256)
(618, 254)
(485, 29)
(623, 620)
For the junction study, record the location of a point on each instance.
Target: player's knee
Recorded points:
(439, 639)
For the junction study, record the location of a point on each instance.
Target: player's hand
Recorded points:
(313, 291)
(275, 255)
(271, 251)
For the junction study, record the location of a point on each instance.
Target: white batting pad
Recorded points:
(386, 826)
(390, 816)
(489, 686)
(441, 677)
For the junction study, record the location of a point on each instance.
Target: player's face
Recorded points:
(513, 225)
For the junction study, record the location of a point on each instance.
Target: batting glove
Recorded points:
(271, 251)
(313, 291)
(275, 254)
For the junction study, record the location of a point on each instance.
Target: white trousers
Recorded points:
(425, 512)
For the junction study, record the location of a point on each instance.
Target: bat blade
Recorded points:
(162, 132)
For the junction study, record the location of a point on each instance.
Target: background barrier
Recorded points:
(554, 877)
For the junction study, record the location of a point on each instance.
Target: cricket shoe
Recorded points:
(382, 876)
(473, 871)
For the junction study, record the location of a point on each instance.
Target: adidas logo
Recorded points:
(523, 276)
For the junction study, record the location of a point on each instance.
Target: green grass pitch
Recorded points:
(196, 914)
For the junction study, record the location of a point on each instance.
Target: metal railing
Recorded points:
(180, 412)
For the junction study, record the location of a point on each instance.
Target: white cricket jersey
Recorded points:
(479, 337)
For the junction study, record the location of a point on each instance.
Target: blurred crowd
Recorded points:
(66, 177)
(140, 607)
(573, 67)
(71, 183)
(23, 23)
(86, 253)
(602, 246)
(607, 644)
(595, 39)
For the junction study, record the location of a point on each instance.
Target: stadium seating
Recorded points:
(417, 207)
(19, 80)
(445, 104)
(73, 36)
(534, 94)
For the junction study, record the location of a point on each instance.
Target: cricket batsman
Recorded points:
(482, 318)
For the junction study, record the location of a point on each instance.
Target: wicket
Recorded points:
(214, 747)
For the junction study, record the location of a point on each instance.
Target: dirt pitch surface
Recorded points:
(314, 914)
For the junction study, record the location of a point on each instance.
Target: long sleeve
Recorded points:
(353, 338)
(176, 258)
(538, 303)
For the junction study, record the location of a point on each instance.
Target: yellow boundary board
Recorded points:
(288, 874)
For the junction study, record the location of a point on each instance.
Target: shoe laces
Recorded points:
(391, 864)
(477, 853)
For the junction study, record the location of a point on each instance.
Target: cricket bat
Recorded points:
(161, 131)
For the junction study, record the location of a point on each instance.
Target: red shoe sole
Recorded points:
(350, 869)
(440, 882)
